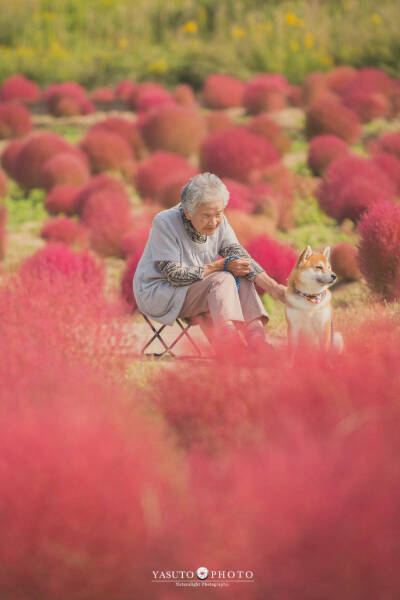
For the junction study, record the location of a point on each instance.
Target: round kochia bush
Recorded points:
(237, 153)
(322, 150)
(15, 120)
(155, 170)
(265, 93)
(266, 127)
(36, 151)
(3, 220)
(63, 199)
(107, 151)
(108, 217)
(351, 184)
(127, 129)
(64, 169)
(18, 87)
(331, 117)
(367, 106)
(390, 164)
(99, 183)
(222, 91)
(379, 257)
(66, 231)
(174, 128)
(277, 258)
(389, 142)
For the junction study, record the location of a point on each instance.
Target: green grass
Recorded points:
(23, 208)
(101, 41)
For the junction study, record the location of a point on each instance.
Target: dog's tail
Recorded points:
(337, 341)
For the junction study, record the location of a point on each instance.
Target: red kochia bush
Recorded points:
(9, 156)
(107, 151)
(63, 199)
(237, 153)
(266, 127)
(389, 142)
(339, 78)
(100, 183)
(103, 95)
(183, 94)
(147, 95)
(170, 193)
(135, 239)
(369, 81)
(222, 91)
(66, 231)
(67, 99)
(35, 153)
(108, 218)
(379, 256)
(127, 129)
(315, 87)
(124, 89)
(64, 169)
(331, 117)
(3, 220)
(154, 170)
(217, 120)
(265, 93)
(350, 185)
(240, 196)
(277, 258)
(366, 105)
(15, 120)
(3, 185)
(18, 87)
(390, 164)
(322, 150)
(174, 128)
(344, 261)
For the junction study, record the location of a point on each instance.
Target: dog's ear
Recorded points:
(327, 252)
(305, 255)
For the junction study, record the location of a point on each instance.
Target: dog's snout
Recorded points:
(333, 276)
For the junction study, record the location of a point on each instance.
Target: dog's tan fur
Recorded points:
(310, 322)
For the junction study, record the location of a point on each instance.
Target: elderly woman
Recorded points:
(180, 275)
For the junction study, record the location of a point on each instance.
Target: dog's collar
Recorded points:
(314, 298)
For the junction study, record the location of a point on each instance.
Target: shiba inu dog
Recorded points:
(308, 302)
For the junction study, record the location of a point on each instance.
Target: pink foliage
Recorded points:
(222, 91)
(370, 81)
(389, 142)
(322, 150)
(277, 258)
(263, 125)
(327, 116)
(217, 120)
(15, 120)
(18, 87)
(124, 89)
(351, 184)
(156, 169)
(36, 151)
(170, 193)
(67, 99)
(3, 185)
(265, 93)
(9, 156)
(240, 196)
(367, 105)
(379, 257)
(107, 151)
(183, 94)
(339, 78)
(108, 217)
(63, 199)
(390, 164)
(100, 183)
(237, 153)
(127, 129)
(66, 231)
(103, 95)
(64, 169)
(174, 128)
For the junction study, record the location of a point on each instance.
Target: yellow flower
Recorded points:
(294, 46)
(309, 40)
(158, 66)
(291, 19)
(122, 42)
(326, 60)
(375, 18)
(190, 27)
(238, 32)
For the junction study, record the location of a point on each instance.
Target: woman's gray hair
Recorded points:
(205, 187)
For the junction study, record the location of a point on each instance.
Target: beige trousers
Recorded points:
(218, 295)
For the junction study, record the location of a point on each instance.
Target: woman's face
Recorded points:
(207, 217)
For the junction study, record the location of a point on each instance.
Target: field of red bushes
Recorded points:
(112, 467)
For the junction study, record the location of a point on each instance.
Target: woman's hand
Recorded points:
(239, 266)
(269, 285)
(280, 293)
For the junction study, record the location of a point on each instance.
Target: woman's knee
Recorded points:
(222, 278)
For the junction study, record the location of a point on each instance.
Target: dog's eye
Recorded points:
(319, 267)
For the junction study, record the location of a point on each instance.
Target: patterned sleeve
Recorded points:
(238, 249)
(178, 274)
